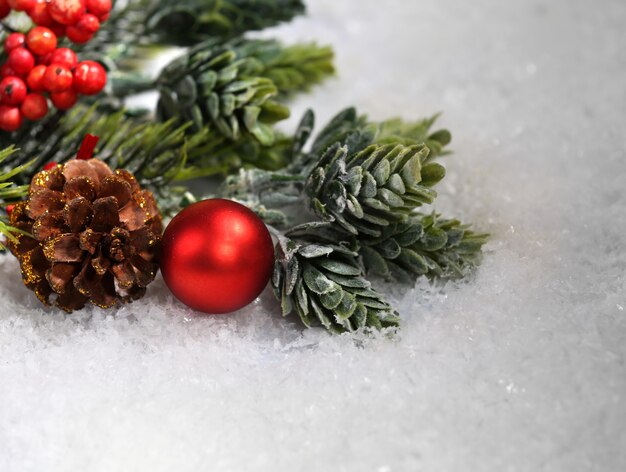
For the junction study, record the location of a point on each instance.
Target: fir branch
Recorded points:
(323, 283)
(10, 192)
(293, 68)
(218, 86)
(185, 22)
(423, 245)
(367, 191)
(157, 153)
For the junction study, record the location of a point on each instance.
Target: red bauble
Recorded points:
(216, 256)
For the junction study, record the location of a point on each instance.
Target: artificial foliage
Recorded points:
(348, 205)
(321, 279)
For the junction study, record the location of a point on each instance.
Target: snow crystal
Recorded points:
(520, 368)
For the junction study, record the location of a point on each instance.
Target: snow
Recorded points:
(520, 368)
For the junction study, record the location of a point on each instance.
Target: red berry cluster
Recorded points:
(79, 20)
(35, 66)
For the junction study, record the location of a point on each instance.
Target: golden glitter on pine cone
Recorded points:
(95, 236)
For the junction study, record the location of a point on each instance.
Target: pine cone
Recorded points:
(324, 284)
(94, 236)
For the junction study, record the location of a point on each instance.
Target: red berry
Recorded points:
(21, 5)
(99, 7)
(43, 60)
(12, 91)
(77, 35)
(67, 12)
(9, 209)
(10, 118)
(34, 107)
(41, 40)
(5, 9)
(89, 78)
(13, 41)
(35, 78)
(50, 165)
(58, 29)
(39, 13)
(6, 71)
(88, 23)
(64, 100)
(64, 57)
(21, 61)
(104, 17)
(57, 78)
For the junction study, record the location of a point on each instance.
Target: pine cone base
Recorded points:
(94, 236)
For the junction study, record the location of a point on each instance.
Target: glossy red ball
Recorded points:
(216, 256)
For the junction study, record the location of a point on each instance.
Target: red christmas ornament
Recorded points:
(216, 256)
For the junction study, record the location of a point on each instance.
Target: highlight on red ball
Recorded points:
(38, 75)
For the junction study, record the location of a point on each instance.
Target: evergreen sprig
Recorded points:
(363, 183)
(185, 22)
(425, 245)
(234, 87)
(10, 192)
(323, 283)
(217, 86)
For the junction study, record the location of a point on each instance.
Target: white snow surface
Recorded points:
(520, 368)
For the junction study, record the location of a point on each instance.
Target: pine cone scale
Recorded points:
(60, 275)
(81, 186)
(63, 248)
(76, 214)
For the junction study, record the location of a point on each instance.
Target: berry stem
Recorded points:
(87, 147)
